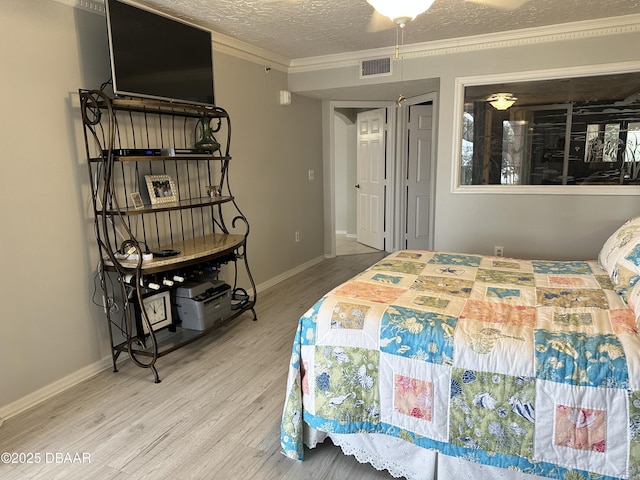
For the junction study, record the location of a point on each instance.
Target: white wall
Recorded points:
(340, 138)
(346, 166)
(51, 333)
(528, 226)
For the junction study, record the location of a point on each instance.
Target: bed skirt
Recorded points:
(403, 459)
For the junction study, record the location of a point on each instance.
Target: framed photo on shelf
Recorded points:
(136, 199)
(161, 188)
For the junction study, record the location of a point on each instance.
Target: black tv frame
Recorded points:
(158, 57)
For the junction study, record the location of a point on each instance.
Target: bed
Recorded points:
(445, 365)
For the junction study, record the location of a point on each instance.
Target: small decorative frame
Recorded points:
(137, 200)
(161, 188)
(214, 191)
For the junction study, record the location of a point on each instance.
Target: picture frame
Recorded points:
(136, 199)
(162, 189)
(214, 191)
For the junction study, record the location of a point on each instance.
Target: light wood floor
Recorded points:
(350, 246)
(215, 415)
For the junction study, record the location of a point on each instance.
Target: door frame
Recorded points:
(402, 154)
(329, 168)
(371, 177)
(395, 205)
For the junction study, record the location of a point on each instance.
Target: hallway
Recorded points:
(349, 246)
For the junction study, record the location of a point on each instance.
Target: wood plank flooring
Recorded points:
(215, 415)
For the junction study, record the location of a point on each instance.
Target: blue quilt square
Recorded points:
(456, 259)
(416, 334)
(561, 268)
(579, 359)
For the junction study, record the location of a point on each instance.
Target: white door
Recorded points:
(371, 178)
(418, 181)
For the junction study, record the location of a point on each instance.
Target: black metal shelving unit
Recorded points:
(159, 138)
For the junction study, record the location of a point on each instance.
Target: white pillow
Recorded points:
(633, 299)
(620, 256)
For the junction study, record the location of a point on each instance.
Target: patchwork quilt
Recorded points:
(532, 366)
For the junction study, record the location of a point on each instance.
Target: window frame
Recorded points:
(527, 76)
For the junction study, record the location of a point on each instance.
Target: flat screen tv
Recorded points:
(153, 56)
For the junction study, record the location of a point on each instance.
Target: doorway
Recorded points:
(359, 180)
(417, 176)
(340, 175)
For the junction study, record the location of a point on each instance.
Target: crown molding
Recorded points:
(93, 6)
(528, 36)
(251, 53)
(221, 43)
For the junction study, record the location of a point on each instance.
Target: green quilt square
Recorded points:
(346, 381)
(492, 412)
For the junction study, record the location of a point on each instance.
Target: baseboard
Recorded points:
(34, 398)
(290, 273)
(52, 389)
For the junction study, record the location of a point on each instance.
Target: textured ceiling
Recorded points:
(296, 29)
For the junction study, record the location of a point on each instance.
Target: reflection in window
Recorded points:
(632, 148)
(602, 146)
(522, 146)
(593, 145)
(577, 142)
(611, 142)
(510, 159)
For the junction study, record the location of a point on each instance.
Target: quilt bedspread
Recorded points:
(527, 365)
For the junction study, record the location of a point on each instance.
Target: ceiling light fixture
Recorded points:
(401, 11)
(501, 101)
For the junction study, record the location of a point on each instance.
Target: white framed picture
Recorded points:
(161, 188)
(136, 199)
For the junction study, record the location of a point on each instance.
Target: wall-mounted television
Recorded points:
(154, 56)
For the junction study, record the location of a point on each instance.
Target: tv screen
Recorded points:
(157, 57)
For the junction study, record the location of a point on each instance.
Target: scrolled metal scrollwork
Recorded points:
(91, 103)
(244, 221)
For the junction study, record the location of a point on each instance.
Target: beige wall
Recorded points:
(527, 226)
(562, 227)
(273, 148)
(51, 334)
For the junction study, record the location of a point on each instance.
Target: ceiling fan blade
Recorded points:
(379, 23)
(501, 4)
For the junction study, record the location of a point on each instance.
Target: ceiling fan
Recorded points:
(400, 12)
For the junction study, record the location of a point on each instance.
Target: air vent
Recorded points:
(377, 66)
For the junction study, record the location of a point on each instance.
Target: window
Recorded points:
(563, 132)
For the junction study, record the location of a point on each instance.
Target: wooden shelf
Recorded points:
(166, 108)
(166, 207)
(192, 252)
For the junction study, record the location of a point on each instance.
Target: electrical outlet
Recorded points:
(498, 251)
(297, 237)
(312, 175)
